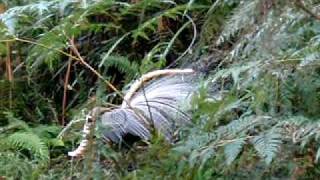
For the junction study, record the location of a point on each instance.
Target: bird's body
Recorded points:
(155, 101)
(158, 104)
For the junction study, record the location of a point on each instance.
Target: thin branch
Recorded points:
(79, 58)
(9, 72)
(125, 101)
(39, 44)
(300, 4)
(68, 126)
(9, 62)
(65, 91)
(75, 50)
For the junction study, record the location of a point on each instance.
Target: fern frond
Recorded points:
(151, 24)
(33, 16)
(201, 157)
(233, 149)
(267, 144)
(234, 71)
(140, 6)
(106, 56)
(10, 17)
(241, 126)
(243, 17)
(14, 122)
(15, 166)
(50, 56)
(31, 142)
(122, 64)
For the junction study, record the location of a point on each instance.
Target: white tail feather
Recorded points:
(157, 103)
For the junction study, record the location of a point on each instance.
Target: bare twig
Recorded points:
(8, 63)
(39, 44)
(300, 4)
(80, 58)
(68, 126)
(125, 101)
(65, 91)
(9, 72)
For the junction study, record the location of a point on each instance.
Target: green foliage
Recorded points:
(255, 116)
(122, 64)
(261, 88)
(270, 83)
(15, 165)
(233, 149)
(25, 149)
(29, 141)
(267, 145)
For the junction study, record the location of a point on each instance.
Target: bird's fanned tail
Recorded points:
(156, 101)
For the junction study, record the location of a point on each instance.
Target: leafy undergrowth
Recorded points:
(256, 114)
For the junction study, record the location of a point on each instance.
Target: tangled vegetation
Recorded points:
(61, 58)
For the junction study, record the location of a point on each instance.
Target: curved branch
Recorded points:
(300, 4)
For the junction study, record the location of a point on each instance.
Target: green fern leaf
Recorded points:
(243, 17)
(122, 64)
(31, 142)
(233, 149)
(267, 145)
